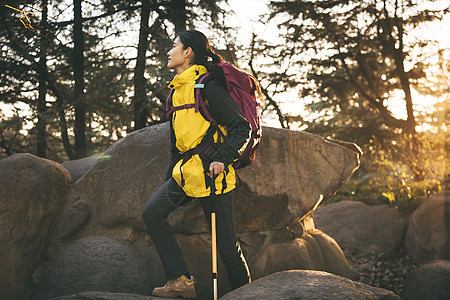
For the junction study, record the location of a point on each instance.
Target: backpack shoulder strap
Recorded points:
(200, 102)
(169, 100)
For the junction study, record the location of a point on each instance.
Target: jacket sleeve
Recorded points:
(226, 112)
(175, 153)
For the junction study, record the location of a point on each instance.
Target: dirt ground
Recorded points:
(380, 270)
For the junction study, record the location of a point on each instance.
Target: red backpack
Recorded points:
(244, 90)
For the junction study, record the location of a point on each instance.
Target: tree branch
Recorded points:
(384, 112)
(281, 118)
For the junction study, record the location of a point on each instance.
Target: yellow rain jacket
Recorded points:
(189, 129)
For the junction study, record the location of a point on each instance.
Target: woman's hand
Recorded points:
(215, 168)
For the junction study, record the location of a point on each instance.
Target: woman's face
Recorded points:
(179, 58)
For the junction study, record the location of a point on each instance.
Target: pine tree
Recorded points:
(355, 56)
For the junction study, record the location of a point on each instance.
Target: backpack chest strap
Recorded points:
(180, 107)
(169, 102)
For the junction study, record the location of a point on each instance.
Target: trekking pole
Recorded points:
(213, 235)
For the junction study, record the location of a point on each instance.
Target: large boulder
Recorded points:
(313, 285)
(72, 219)
(430, 281)
(130, 171)
(98, 263)
(428, 235)
(267, 252)
(32, 192)
(78, 167)
(358, 227)
(293, 173)
(106, 296)
(313, 250)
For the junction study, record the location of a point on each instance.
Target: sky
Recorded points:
(250, 10)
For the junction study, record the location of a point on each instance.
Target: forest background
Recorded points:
(78, 75)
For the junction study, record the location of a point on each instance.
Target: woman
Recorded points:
(192, 171)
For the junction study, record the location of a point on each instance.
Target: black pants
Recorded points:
(171, 196)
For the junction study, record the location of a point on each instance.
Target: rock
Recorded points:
(428, 235)
(32, 192)
(358, 227)
(119, 185)
(196, 250)
(430, 281)
(266, 252)
(304, 170)
(97, 263)
(108, 296)
(191, 214)
(349, 145)
(73, 219)
(78, 167)
(312, 251)
(105, 296)
(308, 285)
(293, 173)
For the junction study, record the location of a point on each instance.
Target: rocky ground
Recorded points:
(381, 270)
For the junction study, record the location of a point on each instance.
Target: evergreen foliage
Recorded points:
(349, 61)
(113, 84)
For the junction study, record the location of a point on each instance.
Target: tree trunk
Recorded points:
(63, 124)
(60, 95)
(140, 83)
(41, 127)
(409, 130)
(78, 67)
(394, 44)
(178, 8)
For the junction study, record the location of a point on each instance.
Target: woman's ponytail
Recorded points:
(215, 58)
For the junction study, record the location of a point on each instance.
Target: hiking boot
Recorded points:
(178, 287)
